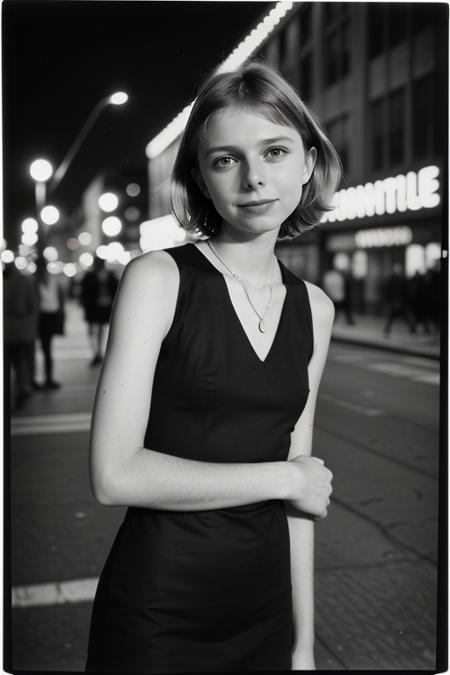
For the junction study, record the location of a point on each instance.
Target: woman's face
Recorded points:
(252, 169)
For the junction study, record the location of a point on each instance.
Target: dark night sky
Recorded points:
(60, 57)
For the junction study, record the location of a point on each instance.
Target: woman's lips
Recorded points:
(258, 207)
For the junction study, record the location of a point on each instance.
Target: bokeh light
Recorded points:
(70, 270)
(124, 258)
(86, 260)
(72, 243)
(30, 226)
(133, 189)
(102, 252)
(30, 238)
(114, 251)
(84, 238)
(50, 215)
(55, 267)
(132, 214)
(111, 226)
(50, 253)
(108, 202)
(7, 256)
(20, 262)
(41, 170)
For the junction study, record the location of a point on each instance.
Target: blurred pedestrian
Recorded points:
(397, 298)
(51, 317)
(433, 291)
(419, 302)
(204, 411)
(20, 321)
(98, 289)
(336, 285)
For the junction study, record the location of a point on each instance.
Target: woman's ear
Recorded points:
(198, 180)
(310, 163)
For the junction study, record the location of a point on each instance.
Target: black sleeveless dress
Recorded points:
(209, 591)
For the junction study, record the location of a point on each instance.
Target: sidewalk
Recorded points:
(368, 331)
(377, 589)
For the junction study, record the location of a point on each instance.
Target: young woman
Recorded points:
(204, 411)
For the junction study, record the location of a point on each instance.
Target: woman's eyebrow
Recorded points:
(234, 148)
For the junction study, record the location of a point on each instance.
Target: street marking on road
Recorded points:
(412, 368)
(50, 424)
(410, 372)
(80, 590)
(354, 407)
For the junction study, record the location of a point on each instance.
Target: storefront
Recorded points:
(397, 220)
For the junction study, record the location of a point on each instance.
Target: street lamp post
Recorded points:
(116, 99)
(41, 170)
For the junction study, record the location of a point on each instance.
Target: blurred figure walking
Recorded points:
(51, 317)
(397, 298)
(20, 321)
(98, 289)
(419, 302)
(336, 285)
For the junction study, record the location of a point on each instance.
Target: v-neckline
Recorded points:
(233, 311)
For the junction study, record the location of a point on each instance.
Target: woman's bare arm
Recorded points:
(301, 527)
(123, 472)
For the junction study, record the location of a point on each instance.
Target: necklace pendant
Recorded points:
(262, 326)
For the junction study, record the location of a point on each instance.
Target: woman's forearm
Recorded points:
(301, 532)
(151, 479)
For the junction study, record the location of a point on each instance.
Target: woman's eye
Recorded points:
(276, 152)
(224, 161)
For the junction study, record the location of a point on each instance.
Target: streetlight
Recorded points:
(41, 170)
(119, 98)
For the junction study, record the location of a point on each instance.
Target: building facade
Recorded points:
(376, 76)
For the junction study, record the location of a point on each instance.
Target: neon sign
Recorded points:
(411, 192)
(384, 236)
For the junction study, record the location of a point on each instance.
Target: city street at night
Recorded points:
(377, 428)
(315, 132)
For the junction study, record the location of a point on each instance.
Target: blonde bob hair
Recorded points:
(259, 87)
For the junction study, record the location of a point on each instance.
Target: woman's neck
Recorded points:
(252, 260)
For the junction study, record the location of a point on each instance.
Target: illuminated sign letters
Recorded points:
(402, 193)
(384, 236)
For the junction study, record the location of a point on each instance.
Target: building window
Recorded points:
(337, 54)
(338, 133)
(424, 14)
(397, 127)
(423, 117)
(388, 138)
(376, 28)
(387, 26)
(335, 11)
(337, 41)
(398, 14)
(306, 24)
(378, 134)
(282, 46)
(306, 77)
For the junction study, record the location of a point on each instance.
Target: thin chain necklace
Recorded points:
(262, 319)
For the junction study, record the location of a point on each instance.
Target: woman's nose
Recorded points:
(253, 176)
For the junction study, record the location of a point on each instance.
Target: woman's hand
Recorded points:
(312, 485)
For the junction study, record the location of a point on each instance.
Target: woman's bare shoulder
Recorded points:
(150, 281)
(322, 307)
(151, 267)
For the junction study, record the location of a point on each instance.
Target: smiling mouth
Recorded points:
(264, 202)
